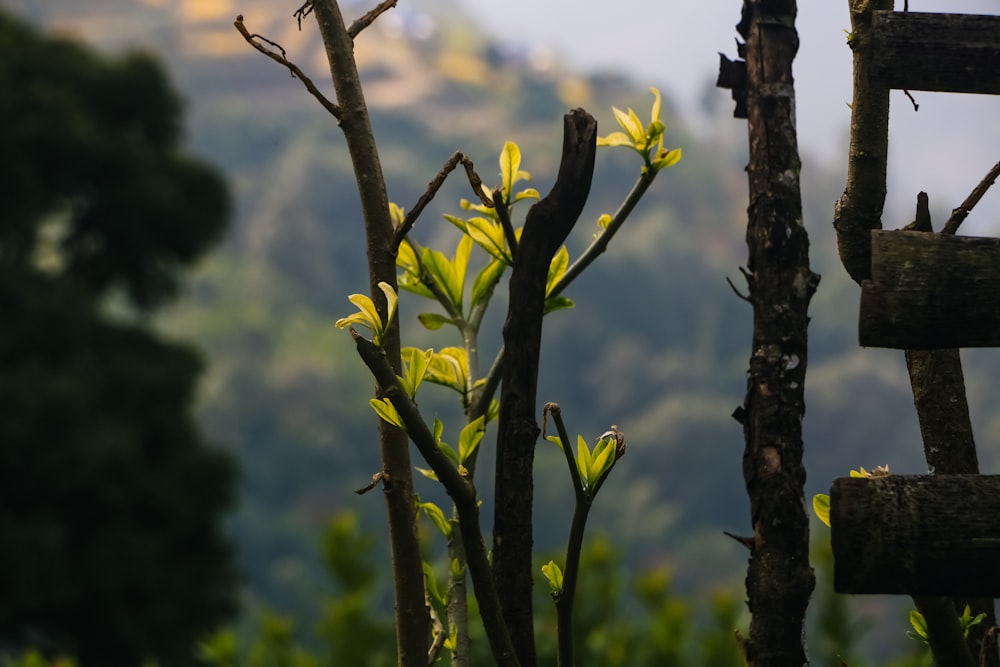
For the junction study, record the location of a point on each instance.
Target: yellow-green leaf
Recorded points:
(470, 437)
(396, 214)
(655, 115)
(435, 514)
(553, 574)
(631, 124)
(415, 364)
(667, 159)
(387, 411)
(615, 139)
(821, 505)
(510, 165)
(557, 269)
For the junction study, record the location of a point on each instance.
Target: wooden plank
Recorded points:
(919, 535)
(958, 53)
(931, 291)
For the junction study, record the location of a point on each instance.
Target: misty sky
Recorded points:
(945, 148)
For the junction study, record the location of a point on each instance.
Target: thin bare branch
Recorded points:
(438, 634)
(739, 294)
(962, 212)
(302, 12)
(432, 189)
(503, 212)
(370, 17)
(252, 40)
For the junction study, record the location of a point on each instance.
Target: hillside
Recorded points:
(658, 342)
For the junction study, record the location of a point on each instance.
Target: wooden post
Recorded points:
(931, 291)
(955, 53)
(917, 535)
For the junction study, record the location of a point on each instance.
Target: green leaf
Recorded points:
(555, 303)
(443, 273)
(557, 269)
(435, 514)
(469, 438)
(366, 316)
(438, 430)
(556, 439)
(387, 411)
(449, 367)
(527, 193)
(451, 643)
(490, 237)
(919, 625)
(631, 124)
(409, 279)
(553, 574)
(604, 220)
(667, 159)
(415, 364)
(493, 411)
(821, 506)
(601, 461)
(583, 460)
(654, 117)
(510, 169)
(615, 139)
(428, 473)
(396, 214)
(486, 280)
(432, 585)
(434, 321)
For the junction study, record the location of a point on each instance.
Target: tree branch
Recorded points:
(459, 489)
(292, 67)
(432, 189)
(859, 210)
(962, 212)
(408, 578)
(546, 227)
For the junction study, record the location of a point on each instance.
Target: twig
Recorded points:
(600, 244)
(437, 632)
(376, 478)
(503, 212)
(370, 17)
(962, 212)
(916, 107)
(432, 189)
(280, 58)
(739, 294)
(302, 12)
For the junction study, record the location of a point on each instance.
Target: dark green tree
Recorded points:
(111, 500)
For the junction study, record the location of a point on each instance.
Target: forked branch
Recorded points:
(255, 40)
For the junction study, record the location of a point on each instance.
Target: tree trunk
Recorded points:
(779, 579)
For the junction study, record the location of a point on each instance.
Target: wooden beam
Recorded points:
(931, 291)
(957, 53)
(917, 535)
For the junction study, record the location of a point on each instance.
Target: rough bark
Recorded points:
(779, 579)
(956, 53)
(917, 534)
(412, 623)
(546, 227)
(860, 208)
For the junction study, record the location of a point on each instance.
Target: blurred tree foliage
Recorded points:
(111, 547)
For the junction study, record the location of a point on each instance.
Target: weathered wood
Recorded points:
(957, 53)
(931, 291)
(917, 535)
